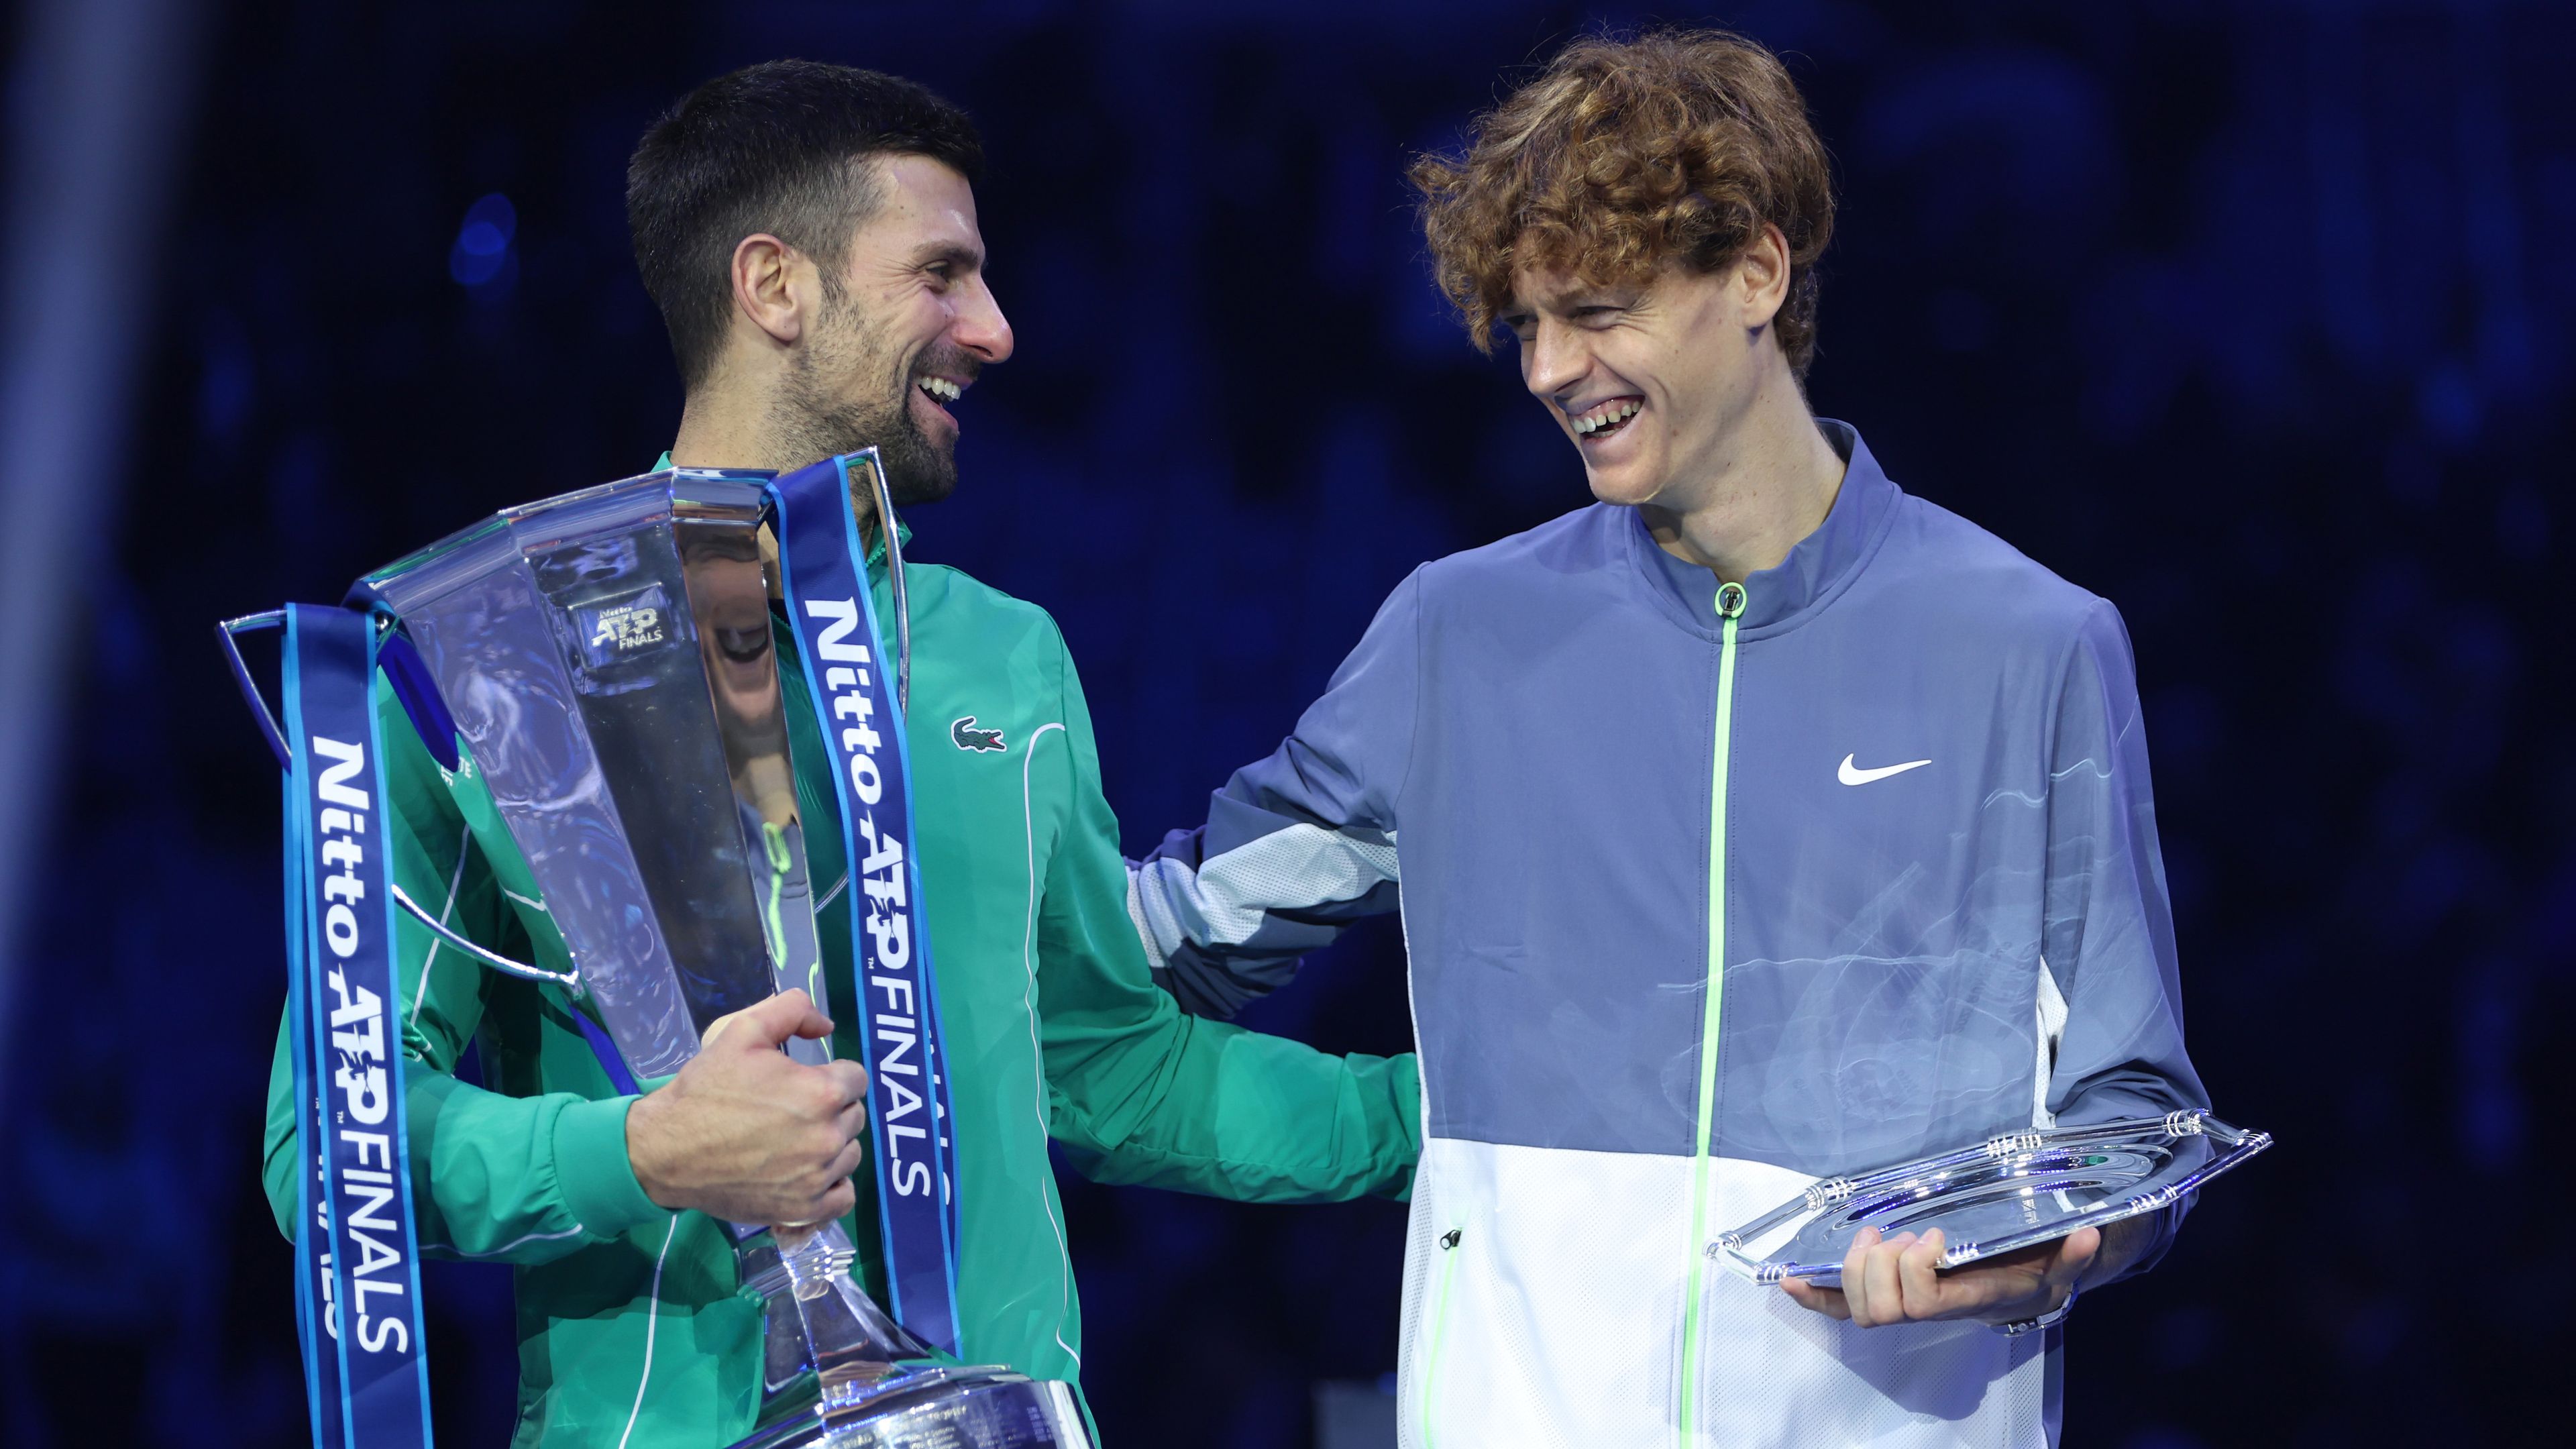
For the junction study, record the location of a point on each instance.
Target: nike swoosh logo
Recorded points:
(1850, 776)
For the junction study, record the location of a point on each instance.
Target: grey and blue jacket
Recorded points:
(1710, 892)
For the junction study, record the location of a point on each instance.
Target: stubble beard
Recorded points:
(850, 390)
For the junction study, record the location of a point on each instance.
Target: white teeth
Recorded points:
(942, 389)
(1593, 422)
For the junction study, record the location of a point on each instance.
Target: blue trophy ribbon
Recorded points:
(850, 679)
(357, 1290)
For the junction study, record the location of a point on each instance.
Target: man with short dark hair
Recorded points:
(1755, 825)
(810, 234)
(810, 155)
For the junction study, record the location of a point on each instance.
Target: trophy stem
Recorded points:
(823, 1335)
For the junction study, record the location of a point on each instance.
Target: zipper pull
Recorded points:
(1730, 600)
(1450, 1238)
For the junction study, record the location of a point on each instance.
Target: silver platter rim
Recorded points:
(1730, 1247)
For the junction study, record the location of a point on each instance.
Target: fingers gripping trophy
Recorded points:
(606, 660)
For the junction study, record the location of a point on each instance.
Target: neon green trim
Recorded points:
(1439, 1326)
(1688, 1387)
(780, 862)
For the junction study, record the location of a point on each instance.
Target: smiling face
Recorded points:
(904, 328)
(1650, 382)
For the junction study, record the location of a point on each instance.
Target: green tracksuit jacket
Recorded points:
(630, 1333)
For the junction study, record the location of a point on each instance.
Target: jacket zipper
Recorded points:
(1439, 1326)
(1730, 608)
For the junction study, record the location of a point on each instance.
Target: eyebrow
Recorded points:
(955, 253)
(1525, 305)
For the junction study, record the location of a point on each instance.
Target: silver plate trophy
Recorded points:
(608, 660)
(2000, 1195)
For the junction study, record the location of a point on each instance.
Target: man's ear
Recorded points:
(1762, 277)
(766, 286)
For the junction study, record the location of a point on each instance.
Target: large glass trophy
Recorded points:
(609, 666)
(1997, 1196)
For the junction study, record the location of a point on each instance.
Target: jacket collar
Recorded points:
(1818, 568)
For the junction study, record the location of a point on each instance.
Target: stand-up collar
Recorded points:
(1819, 567)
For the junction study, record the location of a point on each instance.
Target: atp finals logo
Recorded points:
(627, 627)
(361, 1034)
(894, 1027)
(614, 629)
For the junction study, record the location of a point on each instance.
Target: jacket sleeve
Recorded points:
(1297, 846)
(1140, 1092)
(2107, 939)
(494, 1177)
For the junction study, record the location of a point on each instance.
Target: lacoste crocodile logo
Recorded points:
(970, 738)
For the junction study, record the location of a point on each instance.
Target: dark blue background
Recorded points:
(2251, 316)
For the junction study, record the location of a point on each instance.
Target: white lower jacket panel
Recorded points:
(1554, 1316)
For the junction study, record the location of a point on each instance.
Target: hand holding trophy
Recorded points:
(1891, 1279)
(746, 1135)
(2001, 1232)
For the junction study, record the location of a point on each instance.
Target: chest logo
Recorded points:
(970, 738)
(1852, 776)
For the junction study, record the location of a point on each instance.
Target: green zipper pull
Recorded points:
(1730, 600)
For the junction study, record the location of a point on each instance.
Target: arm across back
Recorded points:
(2107, 930)
(1141, 1092)
(519, 1179)
(1296, 846)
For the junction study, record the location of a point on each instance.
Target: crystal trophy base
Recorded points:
(2014, 1191)
(932, 1407)
(839, 1373)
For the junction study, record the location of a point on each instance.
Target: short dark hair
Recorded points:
(781, 148)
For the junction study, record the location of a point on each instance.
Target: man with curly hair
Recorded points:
(1759, 823)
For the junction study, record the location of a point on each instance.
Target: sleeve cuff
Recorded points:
(598, 1183)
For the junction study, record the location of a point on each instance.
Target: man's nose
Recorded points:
(1553, 360)
(981, 328)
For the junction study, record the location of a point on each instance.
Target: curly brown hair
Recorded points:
(1622, 155)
